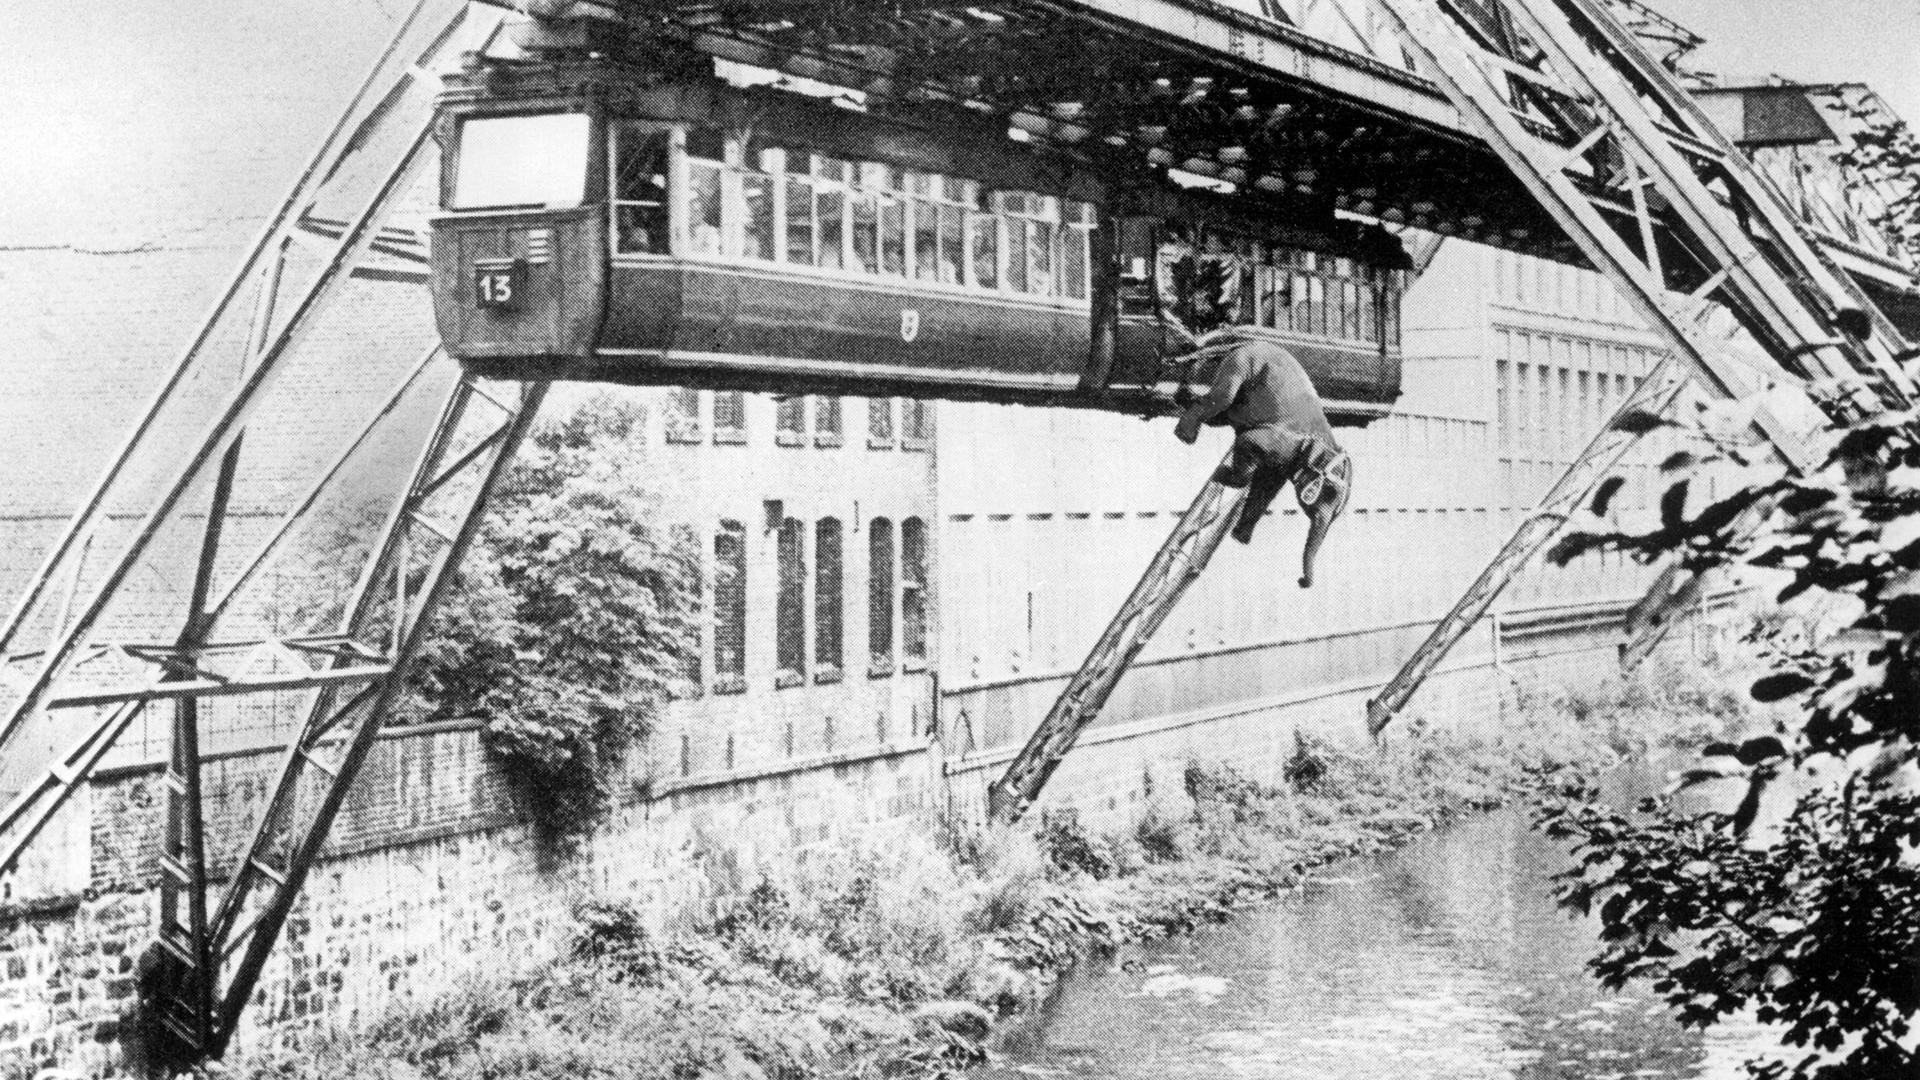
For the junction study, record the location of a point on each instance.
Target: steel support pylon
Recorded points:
(398, 593)
(346, 231)
(1655, 394)
(1620, 155)
(1175, 566)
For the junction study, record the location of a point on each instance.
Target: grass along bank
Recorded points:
(898, 955)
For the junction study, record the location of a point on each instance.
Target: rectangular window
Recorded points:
(879, 423)
(953, 247)
(729, 416)
(880, 598)
(1370, 307)
(866, 232)
(1074, 242)
(916, 424)
(682, 415)
(926, 240)
(640, 168)
(828, 600)
(826, 421)
(1040, 241)
(984, 232)
(757, 236)
(521, 161)
(689, 599)
(800, 238)
(1392, 302)
(1301, 320)
(730, 608)
(1016, 254)
(790, 420)
(913, 592)
(893, 235)
(830, 212)
(704, 220)
(790, 610)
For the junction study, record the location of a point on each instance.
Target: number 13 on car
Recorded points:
(497, 282)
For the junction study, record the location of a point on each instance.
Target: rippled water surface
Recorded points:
(1444, 959)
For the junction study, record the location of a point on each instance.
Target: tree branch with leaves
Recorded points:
(1812, 924)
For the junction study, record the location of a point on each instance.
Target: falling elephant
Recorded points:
(1281, 434)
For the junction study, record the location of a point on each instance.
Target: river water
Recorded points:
(1444, 959)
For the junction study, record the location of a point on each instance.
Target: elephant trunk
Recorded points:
(1319, 520)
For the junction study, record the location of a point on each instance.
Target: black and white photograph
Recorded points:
(944, 540)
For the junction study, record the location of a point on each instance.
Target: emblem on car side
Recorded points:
(909, 324)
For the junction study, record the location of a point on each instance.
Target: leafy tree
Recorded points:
(1813, 924)
(572, 618)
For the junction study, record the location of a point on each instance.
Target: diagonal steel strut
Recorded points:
(1655, 394)
(319, 766)
(1175, 566)
(1759, 264)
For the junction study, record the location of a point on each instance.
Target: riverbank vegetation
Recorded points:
(899, 952)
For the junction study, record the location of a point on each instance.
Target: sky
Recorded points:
(128, 122)
(1872, 41)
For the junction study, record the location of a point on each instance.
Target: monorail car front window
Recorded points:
(521, 161)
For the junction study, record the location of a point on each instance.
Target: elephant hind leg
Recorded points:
(1266, 485)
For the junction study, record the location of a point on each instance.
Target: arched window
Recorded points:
(829, 603)
(730, 608)
(913, 592)
(880, 597)
(790, 611)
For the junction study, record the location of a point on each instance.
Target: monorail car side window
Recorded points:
(866, 231)
(983, 231)
(642, 162)
(801, 238)
(758, 226)
(1076, 244)
(705, 220)
(830, 212)
(893, 234)
(521, 161)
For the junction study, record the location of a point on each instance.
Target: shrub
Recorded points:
(571, 620)
(1069, 846)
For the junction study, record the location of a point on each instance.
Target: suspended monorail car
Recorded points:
(606, 224)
